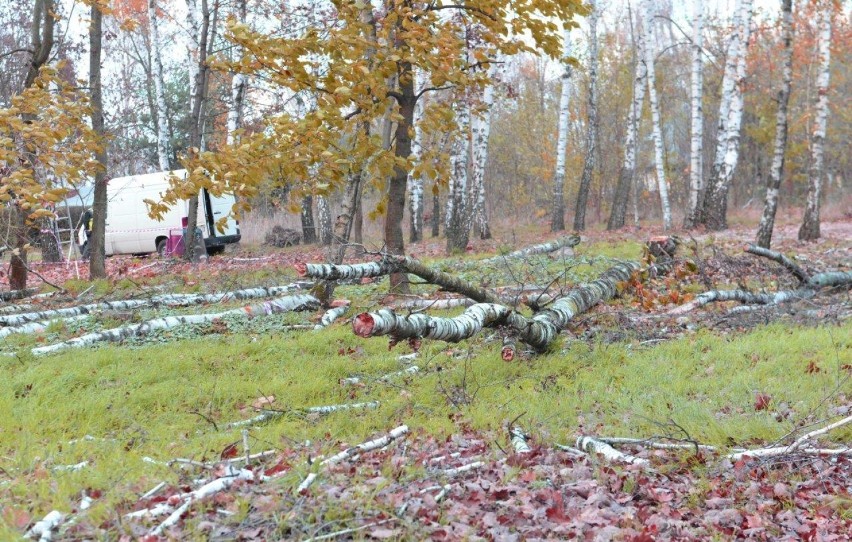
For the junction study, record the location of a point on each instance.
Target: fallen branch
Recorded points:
(18, 319)
(463, 469)
(348, 453)
(788, 264)
(594, 446)
(543, 248)
(796, 446)
(437, 304)
(284, 304)
(331, 315)
(419, 325)
(38, 327)
(42, 529)
(267, 415)
(519, 440)
(17, 294)
(354, 380)
(344, 272)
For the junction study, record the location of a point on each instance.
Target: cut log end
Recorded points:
(301, 269)
(363, 325)
(508, 353)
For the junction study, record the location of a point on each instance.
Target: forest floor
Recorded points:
(100, 432)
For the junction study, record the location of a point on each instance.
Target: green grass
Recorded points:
(146, 398)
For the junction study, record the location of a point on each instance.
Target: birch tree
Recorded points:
(776, 173)
(591, 124)
(481, 131)
(714, 213)
(557, 220)
(810, 228)
(97, 252)
(696, 158)
(458, 225)
(648, 36)
(631, 141)
(163, 151)
(415, 182)
(239, 86)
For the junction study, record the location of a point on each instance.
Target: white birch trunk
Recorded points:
(728, 141)
(284, 304)
(415, 182)
(324, 217)
(420, 325)
(481, 130)
(591, 124)
(38, 327)
(18, 319)
(239, 86)
(457, 212)
(696, 160)
(193, 19)
(595, 446)
(557, 221)
(810, 229)
(543, 248)
(770, 206)
(655, 113)
(163, 150)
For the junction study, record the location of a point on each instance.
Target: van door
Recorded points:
(121, 223)
(215, 208)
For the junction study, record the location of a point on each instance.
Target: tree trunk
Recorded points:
(714, 214)
(309, 230)
(97, 253)
(655, 115)
(324, 212)
(810, 224)
(458, 231)
(416, 181)
(631, 143)
(195, 247)
(592, 126)
(776, 173)
(481, 131)
(394, 242)
(696, 162)
(239, 85)
(163, 151)
(436, 214)
(41, 45)
(557, 220)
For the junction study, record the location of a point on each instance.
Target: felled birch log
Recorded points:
(742, 296)
(540, 330)
(349, 453)
(344, 272)
(831, 279)
(173, 300)
(18, 319)
(543, 248)
(331, 315)
(419, 325)
(17, 294)
(11, 309)
(595, 446)
(37, 327)
(284, 304)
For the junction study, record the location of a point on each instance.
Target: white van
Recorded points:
(129, 229)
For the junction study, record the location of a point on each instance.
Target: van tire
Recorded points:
(161, 247)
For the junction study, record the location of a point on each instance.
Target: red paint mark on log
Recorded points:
(301, 268)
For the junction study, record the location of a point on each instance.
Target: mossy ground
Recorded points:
(162, 400)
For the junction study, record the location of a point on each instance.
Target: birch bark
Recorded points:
(631, 144)
(324, 212)
(650, 40)
(239, 86)
(696, 160)
(592, 124)
(415, 182)
(458, 232)
(481, 131)
(714, 214)
(776, 173)
(810, 229)
(163, 151)
(557, 221)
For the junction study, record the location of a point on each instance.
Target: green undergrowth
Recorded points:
(173, 400)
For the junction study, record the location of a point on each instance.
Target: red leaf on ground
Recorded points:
(229, 452)
(761, 401)
(281, 466)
